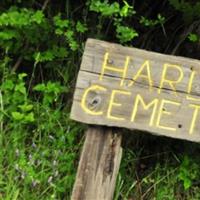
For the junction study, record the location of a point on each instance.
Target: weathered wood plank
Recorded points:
(181, 120)
(99, 165)
(94, 56)
(158, 93)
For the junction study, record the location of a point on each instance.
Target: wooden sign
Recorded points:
(137, 89)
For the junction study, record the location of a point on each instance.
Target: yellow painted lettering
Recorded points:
(189, 89)
(162, 111)
(120, 70)
(84, 99)
(112, 103)
(194, 117)
(153, 104)
(140, 74)
(164, 79)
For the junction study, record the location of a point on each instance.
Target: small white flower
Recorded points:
(35, 182)
(68, 129)
(38, 162)
(50, 179)
(23, 175)
(56, 173)
(30, 157)
(54, 163)
(17, 152)
(34, 145)
(63, 138)
(17, 167)
(51, 137)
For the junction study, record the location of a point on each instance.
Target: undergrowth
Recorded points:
(41, 46)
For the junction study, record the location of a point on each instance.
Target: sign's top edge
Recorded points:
(148, 52)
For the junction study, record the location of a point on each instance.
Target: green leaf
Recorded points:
(38, 17)
(26, 108)
(187, 183)
(73, 45)
(44, 56)
(104, 8)
(21, 76)
(110, 10)
(48, 99)
(17, 116)
(60, 52)
(8, 85)
(40, 87)
(124, 12)
(193, 37)
(61, 23)
(15, 18)
(50, 55)
(29, 117)
(125, 34)
(149, 22)
(54, 87)
(20, 88)
(59, 31)
(8, 34)
(81, 28)
(161, 18)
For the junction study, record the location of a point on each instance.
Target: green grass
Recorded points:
(158, 168)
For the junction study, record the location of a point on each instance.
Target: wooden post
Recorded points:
(99, 165)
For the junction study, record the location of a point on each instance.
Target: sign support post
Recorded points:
(99, 165)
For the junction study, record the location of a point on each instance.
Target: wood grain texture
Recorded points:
(99, 165)
(181, 115)
(94, 55)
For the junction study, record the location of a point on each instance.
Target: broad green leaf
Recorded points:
(125, 34)
(20, 88)
(21, 76)
(8, 34)
(61, 23)
(82, 28)
(193, 37)
(29, 117)
(40, 87)
(26, 108)
(8, 85)
(38, 17)
(17, 116)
